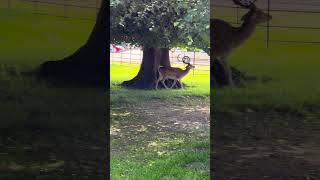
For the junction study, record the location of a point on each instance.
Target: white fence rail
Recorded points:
(200, 60)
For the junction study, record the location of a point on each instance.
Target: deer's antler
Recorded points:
(246, 3)
(186, 60)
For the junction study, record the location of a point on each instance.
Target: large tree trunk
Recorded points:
(219, 76)
(148, 73)
(89, 64)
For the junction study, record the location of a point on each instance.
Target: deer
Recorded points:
(226, 37)
(172, 73)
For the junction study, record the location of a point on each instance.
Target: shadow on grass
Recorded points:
(49, 131)
(160, 139)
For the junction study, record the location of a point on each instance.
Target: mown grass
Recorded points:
(29, 39)
(197, 86)
(292, 67)
(26, 103)
(35, 115)
(175, 158)
(165, 155)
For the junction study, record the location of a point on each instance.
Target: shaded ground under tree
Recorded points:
(89, 64)
(239, 77)
(270, 145)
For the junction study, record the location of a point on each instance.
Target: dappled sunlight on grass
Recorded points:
(183, 155)
(114, 130)
(150, 139)
(166, 133)
(123, 114)
(44, 167)
(176, 117)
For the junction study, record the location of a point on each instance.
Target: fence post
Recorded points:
(120, 58)
(130, 54)
(9, 4)
(237, 9)
(268, 25)
(194, 60)
(64, 9)
(171, 56)
(97, 7)
(140, 58)
(35, 7)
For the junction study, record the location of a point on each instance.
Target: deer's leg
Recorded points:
(158, 80)
(180, 83)
(164, 84)
(174, 83)
(227, 70)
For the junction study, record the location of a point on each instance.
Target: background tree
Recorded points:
(158, 26)
(89, 63)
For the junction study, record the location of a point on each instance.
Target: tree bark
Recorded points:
(89, 64)
(148, 73)
(219, 78)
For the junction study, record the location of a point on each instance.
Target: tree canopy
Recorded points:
(161, 24)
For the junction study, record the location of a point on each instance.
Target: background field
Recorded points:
(200, 60)
(46, 131)
(38, 38)
(27, 41)
(197, 85)
(267, 122)
(292, 66)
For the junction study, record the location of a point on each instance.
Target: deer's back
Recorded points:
(170, 72)
(223, 35)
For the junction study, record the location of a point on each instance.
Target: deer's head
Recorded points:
(255, 15)
(189, 66)
(186, 60)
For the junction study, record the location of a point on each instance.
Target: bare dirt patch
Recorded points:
(267, 145)
(48, 156)
(141, 123)
(175, 116)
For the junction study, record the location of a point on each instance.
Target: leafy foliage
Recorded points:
(155, 23)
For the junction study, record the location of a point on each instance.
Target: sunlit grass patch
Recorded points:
(182, 157)
(197, 86)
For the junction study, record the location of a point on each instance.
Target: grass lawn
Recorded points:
(47, 132)
(29, 41)
(265, 123)
(198, 86)
(144, 145)
(293, 68)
